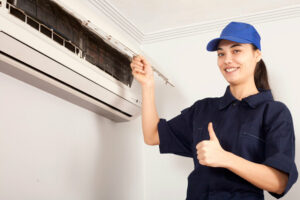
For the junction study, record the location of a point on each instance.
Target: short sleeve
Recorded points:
(280, 144)
(175, 135)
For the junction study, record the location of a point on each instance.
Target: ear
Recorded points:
(258, 55)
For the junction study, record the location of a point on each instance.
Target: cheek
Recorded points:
(239, 61)
(245, 63)
(250, 66)
(221, 68)
(220, 63)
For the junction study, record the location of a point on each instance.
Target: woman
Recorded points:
(243, 142)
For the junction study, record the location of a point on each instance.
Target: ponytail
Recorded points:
(261, 75)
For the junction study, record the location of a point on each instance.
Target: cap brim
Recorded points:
(213, 44)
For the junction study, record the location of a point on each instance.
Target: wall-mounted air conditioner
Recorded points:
(39, 53)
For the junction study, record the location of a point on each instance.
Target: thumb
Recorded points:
(212, 134)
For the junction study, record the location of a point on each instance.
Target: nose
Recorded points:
(228, 58)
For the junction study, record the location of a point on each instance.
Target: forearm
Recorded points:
(262, 176)
(150, 117)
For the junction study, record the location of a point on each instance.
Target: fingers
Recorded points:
(137, 68)
(138, 64)
(202, 144)
(140, 58)
(201, 152)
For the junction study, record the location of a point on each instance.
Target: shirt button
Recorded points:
(234, 104)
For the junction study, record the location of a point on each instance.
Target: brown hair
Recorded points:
(261, 75)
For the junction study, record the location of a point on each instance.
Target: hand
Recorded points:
(210, 153)
(142, 70)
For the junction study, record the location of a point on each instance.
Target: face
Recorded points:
(237, 61)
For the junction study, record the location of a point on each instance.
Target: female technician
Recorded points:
(243, 142)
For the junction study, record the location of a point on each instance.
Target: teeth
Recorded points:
(231, 69)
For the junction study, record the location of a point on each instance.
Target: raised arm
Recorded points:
(143, 73)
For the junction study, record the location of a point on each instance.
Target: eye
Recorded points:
(220, 54)
(236, 51)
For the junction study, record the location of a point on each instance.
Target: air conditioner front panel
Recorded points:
(40, 62)
(23, 32)
(18, 70)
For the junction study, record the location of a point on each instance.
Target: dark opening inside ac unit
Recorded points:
(53, 21)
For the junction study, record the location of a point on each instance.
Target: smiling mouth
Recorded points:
(231, 69)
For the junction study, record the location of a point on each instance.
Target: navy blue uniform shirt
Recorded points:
(256, 128)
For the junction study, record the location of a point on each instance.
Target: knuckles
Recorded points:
(202, 144)
(203, 162)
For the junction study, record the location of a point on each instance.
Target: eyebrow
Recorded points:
(235, 45)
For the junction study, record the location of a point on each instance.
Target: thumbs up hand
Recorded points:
(209, 152)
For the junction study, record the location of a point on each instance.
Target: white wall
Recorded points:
(52, 149)
(196, 75)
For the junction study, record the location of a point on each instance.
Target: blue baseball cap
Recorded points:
(238, 32)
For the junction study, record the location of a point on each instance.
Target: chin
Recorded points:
(233, 82)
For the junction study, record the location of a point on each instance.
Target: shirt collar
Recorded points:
(252, 100)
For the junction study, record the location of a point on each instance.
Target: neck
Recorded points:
(241, 91)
